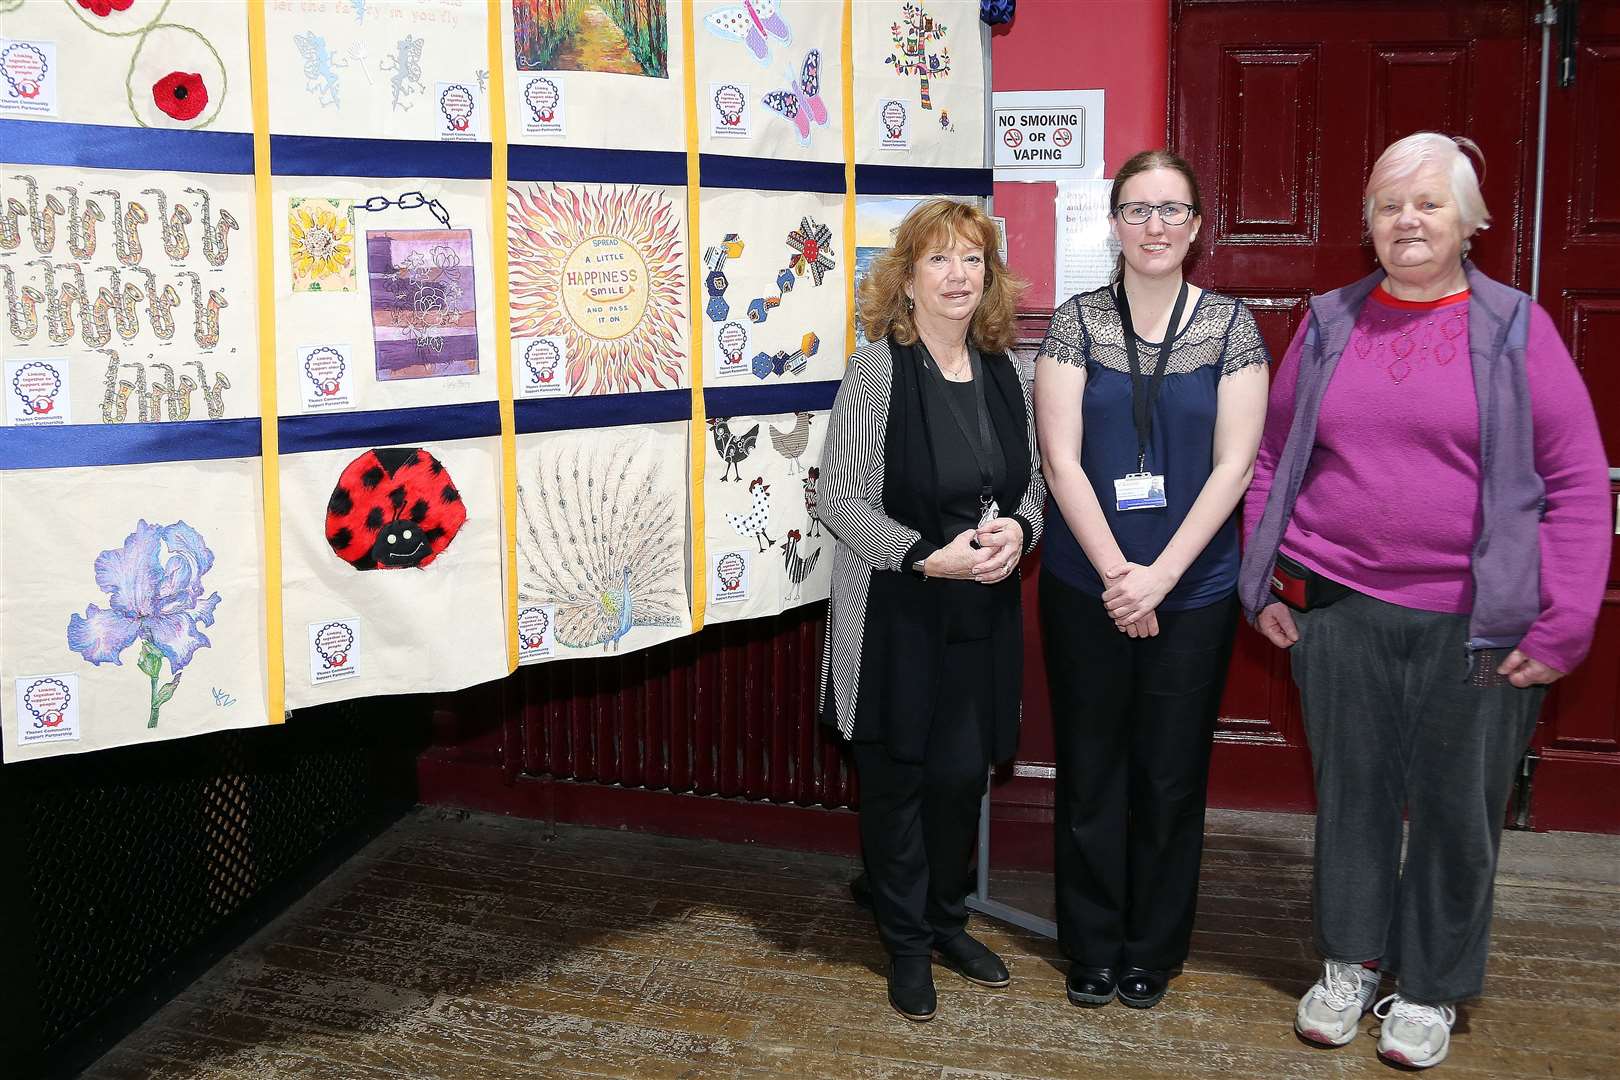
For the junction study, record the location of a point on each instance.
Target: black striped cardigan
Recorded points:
(867, 540)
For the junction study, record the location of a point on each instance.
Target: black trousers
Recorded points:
(919, 819)
(1133, 720)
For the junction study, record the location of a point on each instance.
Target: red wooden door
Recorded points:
(1576, 782)
(1281, 108)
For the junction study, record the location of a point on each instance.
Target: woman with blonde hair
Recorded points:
(931, 488)
(1428, 538)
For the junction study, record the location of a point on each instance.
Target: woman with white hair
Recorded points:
(1428, 537)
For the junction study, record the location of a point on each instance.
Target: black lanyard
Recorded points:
(981, 459)
(1142, 402)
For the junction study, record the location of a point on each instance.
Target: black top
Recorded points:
(956, 463)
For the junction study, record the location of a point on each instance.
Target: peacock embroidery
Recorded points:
(601, 537)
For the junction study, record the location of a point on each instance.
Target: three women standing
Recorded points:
(1150, 395)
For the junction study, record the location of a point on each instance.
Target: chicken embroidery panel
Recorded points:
(601, 541)
(766, 544)
(769, 81)
(598, 271)
(136, 287)
(773, 287)
(398, 546)
(378, 68)
(919, 83)
(134, 616)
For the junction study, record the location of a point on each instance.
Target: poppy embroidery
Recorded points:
(393, 508)
(104, 8)
(180, 95)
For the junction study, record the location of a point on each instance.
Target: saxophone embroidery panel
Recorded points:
(135, 283)
(320, 237)
(423, 310)
(602, 539)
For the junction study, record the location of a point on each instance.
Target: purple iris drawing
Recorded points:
(155, 585)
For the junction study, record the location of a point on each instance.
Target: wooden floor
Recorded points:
(474, 947)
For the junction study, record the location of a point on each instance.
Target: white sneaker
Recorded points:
(1414, 1035)
(1330, 1011)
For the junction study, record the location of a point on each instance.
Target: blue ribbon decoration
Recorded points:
(769, 174)
(916, 180)
(316, 155)
(389, 427)
(103, 146)
(602, 410)
(769, 400)
(70, 446)
(576, 164)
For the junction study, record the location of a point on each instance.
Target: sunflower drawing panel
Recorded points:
(126, 63)
(387, 308)
(399, 547)
(382, 69)
(919, 83)
(595, 73)
(134, 616)
(599, 285)
(773, 287)
(601, 541)
(136, 288)
(765, 544)
(769, 79)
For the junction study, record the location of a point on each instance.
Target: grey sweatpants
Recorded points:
(1395, 725)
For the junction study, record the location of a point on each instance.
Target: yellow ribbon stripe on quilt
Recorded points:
(503, 322)
(849, 176)
(700, 553)
(269, 411)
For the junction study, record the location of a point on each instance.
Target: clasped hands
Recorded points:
(1131, 595)
(1001, 545)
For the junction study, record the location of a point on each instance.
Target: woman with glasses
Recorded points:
(1429, 540)
(1150, 394)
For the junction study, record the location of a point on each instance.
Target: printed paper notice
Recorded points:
(47, 709)
(27, 78)
(1085, 248)
(37, 393)
(536, 627)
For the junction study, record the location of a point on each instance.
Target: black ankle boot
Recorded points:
(911, 987)
(1143, 988)
(972, 960)
(1090, 987)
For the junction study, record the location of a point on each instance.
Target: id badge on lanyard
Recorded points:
(1144, 490)
(988, 510)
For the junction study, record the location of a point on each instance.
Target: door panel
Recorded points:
(1281, 108)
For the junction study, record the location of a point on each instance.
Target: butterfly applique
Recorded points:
(752, 22)
(801, 104)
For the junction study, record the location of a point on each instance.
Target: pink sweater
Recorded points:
(1390, 503)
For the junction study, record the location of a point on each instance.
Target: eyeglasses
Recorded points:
(1137, 213)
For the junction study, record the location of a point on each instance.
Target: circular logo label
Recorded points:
(324, 367)
(532, 625)
(729, 569)
(47, 699)
(604, 287)
(333, 641)
(541, 96)
(457, 105)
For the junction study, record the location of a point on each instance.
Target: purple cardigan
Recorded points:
(1506, 558)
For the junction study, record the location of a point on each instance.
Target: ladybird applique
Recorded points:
(393, 508)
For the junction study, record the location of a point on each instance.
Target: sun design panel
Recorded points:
(601, 541)
(599, 285)
(134, 288)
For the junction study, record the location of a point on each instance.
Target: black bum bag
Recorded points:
(1302, 588)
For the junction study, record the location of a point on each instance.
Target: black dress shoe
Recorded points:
(911, 988)
(860, 891)
(973, 961)
(1143, 988)
(1090, 987)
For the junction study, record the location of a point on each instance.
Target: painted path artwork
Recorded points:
(422, 302)
(622, 37)
(604, 268)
